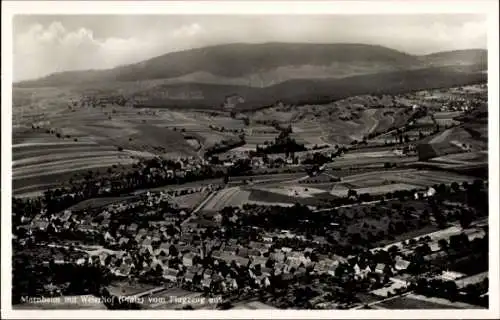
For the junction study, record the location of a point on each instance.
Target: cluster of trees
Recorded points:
(448, 289)
(223, 129)
(282, 144)
(224, 146)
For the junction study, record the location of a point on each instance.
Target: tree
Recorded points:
(352, 193)
(465, 219)
(443, 244)
(455, 187)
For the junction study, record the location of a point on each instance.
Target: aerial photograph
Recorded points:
(222, 162)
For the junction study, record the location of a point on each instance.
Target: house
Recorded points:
(287, 276)
(267, 239)
(451, 275)
(230, 249)
(218, 218)
(124, 269)
(286, 249)
(189, 276)
(301, 271)
(40, 225)
(108, 237)
(357, 270)
(216, 254)
(123, 240)
(261, 261)
(206, 282)
(147, 242)
(102, 257)
(147, 250)
(66, 215)
(277, 256)
(187, 259)
(232, 284)
(207, 274)
(430, 192)
(105, 223)
(170, 274)
(401, 264)
(242, 252)
(382, 268)
(260, 246)
(133, 228)
(240, 261)
(86, 226)
(366, 271)
(186, 238)
(263, 281)
(59, 258)
(255, 253)
(298, 257)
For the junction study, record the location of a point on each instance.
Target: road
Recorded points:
(349, 205)
(380, 301)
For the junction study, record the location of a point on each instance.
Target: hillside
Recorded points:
(263, 65)
(307, 91)
(458, 57)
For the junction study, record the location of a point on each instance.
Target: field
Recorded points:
(293, 191)
(233, 196)
(376, 190)
(54, 139)
(412, 303)
(384, 181)
(463, 158)
(419, 178)
(288, 193)
(37, 166)
(190, 201)
(469, 137)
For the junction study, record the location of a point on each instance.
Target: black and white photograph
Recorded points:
(232, 163)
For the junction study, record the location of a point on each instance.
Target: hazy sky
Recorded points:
(47, 44)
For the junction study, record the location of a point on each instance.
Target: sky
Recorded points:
(44, 44)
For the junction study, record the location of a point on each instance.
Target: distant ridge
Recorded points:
(261, 65)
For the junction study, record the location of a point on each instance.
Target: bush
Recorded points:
(120, 148)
